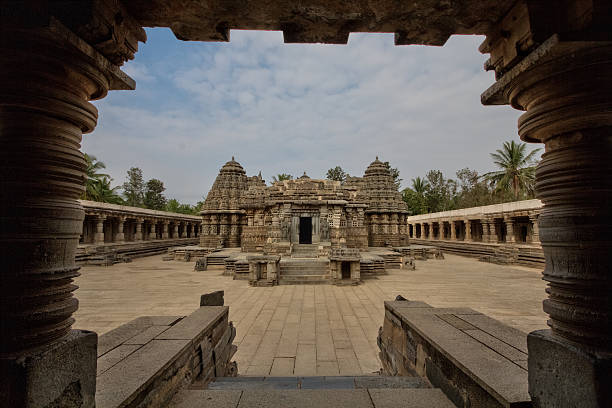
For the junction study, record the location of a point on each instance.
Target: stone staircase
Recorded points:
(304, 271)
(320, 392)
(304, 251)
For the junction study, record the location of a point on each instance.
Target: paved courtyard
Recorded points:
(307, 329)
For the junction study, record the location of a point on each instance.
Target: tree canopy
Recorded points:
(153, 196)
(282, 177)
(517, 170)
(336, 174)
(98, 185)
(133, 188)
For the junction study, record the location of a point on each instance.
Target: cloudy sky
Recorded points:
(283, 108)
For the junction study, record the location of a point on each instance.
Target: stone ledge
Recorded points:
(146, 361)
(477, 361)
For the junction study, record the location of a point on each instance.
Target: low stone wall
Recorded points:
(528, 255)
(146, 361)
(109, 254)
(475, 360)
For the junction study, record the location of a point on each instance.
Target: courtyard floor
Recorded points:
(307, 330)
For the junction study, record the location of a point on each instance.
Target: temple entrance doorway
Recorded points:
(346, 270)
(305, 230)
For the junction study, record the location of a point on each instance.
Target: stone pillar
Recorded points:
(165, 229)
(184, 233)
(565, 89)
(468, 230)
(175, 230)
(453, 231)
(535, 229)
(120, 237)
(48, 75)
(509, 221)
(139, 224)
(492, 232)
(99, 235)
(486, 238)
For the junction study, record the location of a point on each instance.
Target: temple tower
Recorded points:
(221, 213)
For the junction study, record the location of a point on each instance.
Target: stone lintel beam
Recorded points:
(428, 22)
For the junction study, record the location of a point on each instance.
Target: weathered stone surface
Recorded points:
(418, 398)
(561, 374)
(306, 399)
(426, 22)
(206, 399)
(192, 326)
(123, 333)
(212, 299)
(114, 356)
(61, 374)
(124, 382)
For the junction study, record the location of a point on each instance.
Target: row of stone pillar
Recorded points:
(169, 229)
(475, 230)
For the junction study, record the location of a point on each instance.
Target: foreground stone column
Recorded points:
(565, 89)
(47, 77)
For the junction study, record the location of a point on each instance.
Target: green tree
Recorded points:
(133, 188)
(336, 174)
(395, 174)
(517, 170)
(92, 176)
(473, 191)
(440, 195)
(415, 201)
(173, 205)
(153, 196)
(282, 177)
(105, 193)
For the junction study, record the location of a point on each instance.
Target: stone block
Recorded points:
(60, 375)
(306, 399)
(193, 326)
(201, 265)
(212, 299)
(206, 399)
(562, 375)
(409, 398)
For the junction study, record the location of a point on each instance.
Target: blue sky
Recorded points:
(290, 108)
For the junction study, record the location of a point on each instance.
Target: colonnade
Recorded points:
(515, 224)
(114, 224)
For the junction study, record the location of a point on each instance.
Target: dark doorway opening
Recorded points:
(305, 230)
(346, 270)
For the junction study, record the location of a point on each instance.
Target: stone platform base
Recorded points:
(561, 375)
(62, 375)
(146, 361)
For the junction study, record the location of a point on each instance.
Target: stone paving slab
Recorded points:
(206, 399)
(112, 296)
(124, 380)
(419, 398)
(191, 326)
(306, 399)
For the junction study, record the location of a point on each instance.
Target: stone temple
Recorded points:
(331, 223)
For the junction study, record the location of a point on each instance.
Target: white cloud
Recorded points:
(289, 108)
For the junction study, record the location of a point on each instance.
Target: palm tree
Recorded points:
(93, 178)
(105, 193)
(517, 169)
(281, 177)
(419, 185)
